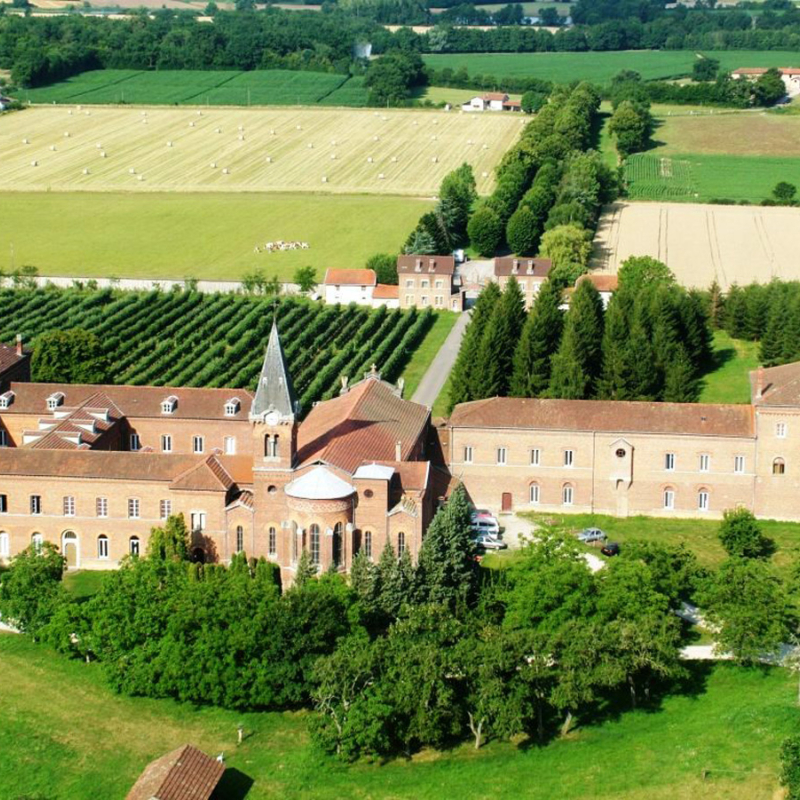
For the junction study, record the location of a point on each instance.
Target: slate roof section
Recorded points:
(536, 267)
(362, 425)
(694, 419)
(275, 391)
(780, 385)
(184, 774)
(432, 265)
(350, 277)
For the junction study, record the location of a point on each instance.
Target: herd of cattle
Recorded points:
(272, 247)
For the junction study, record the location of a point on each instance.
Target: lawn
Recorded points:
(446, 94)
(330, 150)
(201, 87)
(84, 583)
(427, 351)
(729, 381)
(203, 235)
(66, 736)
(600, 67)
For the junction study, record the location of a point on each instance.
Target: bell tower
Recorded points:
(274, 411)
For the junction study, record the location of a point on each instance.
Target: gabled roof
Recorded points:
(615, 416)
(365, 424)
(275, 391)
(207, 476)
(495, 96)
(350, 277)
(435, 265)
(601, 281)
(184, 774)
(506, 265)
(9, 357)
(780, 386)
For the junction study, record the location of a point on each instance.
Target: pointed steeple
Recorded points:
(275, 392)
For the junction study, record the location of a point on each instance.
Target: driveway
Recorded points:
(436, 376)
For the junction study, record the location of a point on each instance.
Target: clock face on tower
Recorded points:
(273, 418)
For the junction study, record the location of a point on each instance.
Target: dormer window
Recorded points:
(232, 407)
(169, 405)
(55, 400)
(432, 265)
(529, 270)
(418, 266)
(515, 267)
(6, 399)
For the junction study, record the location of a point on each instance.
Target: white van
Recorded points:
(487, 525)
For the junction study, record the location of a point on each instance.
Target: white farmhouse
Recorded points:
(358, 286)
(492, 101)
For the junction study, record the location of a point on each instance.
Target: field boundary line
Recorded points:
(211, 88)
(335, 89)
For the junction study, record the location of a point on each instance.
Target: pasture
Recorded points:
(350, 151)
(701, 243)
(203, 87)
(67, 736)
(601, 67)
(210, 236)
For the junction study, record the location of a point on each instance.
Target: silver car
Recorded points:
(589, 535)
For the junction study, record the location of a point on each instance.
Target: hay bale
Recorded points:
(333, 142)
(213, 165)
(241, 138)
(226, 171)
(140, 177)
(484, 174)
(144, 113)
(272, 131)
(217, 130)
(69, 112)
(80, 107)
(34, 163)
(131, 171)
(381, 176)
(102, 154)
(436, 122)
(169, 144)
(376, 138)
(299, 127)
(99, 146)
(485, 147)
(66, 134)
(310, 146)
(199, 113)
(26, 141)
(269, 159)
(333, 156)
(53, 147)
(191, 124)
(370, 160)
(324, 179)
(241, 127)
(394, 159)
(435, 159)
(85, 171)
(433, 138)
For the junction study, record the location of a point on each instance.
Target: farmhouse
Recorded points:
(789, 75)
(428, 281)
(530, 274)
(358, 286)
(492, 101)
(606, 284)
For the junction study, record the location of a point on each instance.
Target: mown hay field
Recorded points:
(345, 151)
(703, 243)
(601, 67)
(204, 87)
(205, 235)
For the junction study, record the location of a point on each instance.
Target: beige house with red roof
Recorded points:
(530, 274)
(789, 75)
(492, 101)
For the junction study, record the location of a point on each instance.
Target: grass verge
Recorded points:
(729, 380)
(427, 350)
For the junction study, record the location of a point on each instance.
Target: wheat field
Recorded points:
(348, 151)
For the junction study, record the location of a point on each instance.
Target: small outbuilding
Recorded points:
(184, 774)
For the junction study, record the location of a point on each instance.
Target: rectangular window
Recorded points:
(705, 463)
(3, 504)
(502, 455)
(409, 283)
(669, 499)
(166, 443)
(69, 506)
(468, 454)
(368, 544)
(102, 547)
(569, 458)
(424, 300)
(36, 504)
(5, 545)
(101, 506)
(198, 445)
(536, 456)
(229, 445)
(135, 443)
(738, 464)
(165, 508)
(273, 541)
(409, 300)
(669, 461)
(534, 494)
(424, 284)
(439, 284)
(566, 495)
(439, 300)
(133, 508)
(780, 430)
(3, 438)
(198, 520)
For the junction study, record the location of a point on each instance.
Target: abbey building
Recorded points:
(94, 468)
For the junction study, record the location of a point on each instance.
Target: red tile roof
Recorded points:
(184, 774)
(607, 416)
(601, 282)
(495, 96)
(538, 267)
(350, 277)
(9, 357)
(133, 401)
(362, 425)
(780, 386)
(437, 265)
(385, 291)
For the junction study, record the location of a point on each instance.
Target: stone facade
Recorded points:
(427, 282)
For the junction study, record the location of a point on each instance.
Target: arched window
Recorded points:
(5, 547)
(368, 544)
(37, 540)
(534, 493)
(401, 544)
(336, 551)
(567, 494)
(295, 537)
(267, 446)
(314, 531)
(778, 467)
(273, 541)
(102, 546)
(702, 500)
(133, 545)
(239, 538)
(275, 446)
(669, 498)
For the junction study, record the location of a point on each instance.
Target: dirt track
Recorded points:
(734, 244)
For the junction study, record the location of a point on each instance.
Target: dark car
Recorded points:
(611, 549)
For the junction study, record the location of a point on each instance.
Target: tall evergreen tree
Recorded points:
(494, 363)
(463, 373)
(791, 333)
(616, 381)
(680, 384)
(541, 336)
(772, 343)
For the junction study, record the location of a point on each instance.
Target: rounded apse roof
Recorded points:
(319, 484)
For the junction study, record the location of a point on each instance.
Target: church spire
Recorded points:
(275, 392)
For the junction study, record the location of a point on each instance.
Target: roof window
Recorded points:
(6, 399)
(55, 400)
(232, 407)
(169, 405)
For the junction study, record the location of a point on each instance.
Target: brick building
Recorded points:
(15, 364)
(427, 281)
(530, 274)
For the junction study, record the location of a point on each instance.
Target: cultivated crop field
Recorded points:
(732, 244)
(255, 150)
(601, 67)
(204, 87)
(193, 339)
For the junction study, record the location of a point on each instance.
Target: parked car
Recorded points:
(483, 541)
(611, 549)
(589, 535)
(485, 526)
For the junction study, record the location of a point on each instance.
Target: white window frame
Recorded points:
(567, 494)
(198, 444)
(232, 407)
(5, 544)
(229, 445)
(669, 499)
(102, 547)
(135, 546)
(703, 500)
(739, 465)
(197, 521)
(69, 506)
(133, 508)
(165, 509)
(35, 504)
(468, 454)
(101, 507)
(669, 462)
(534, 494)
(569, 458)
(781, 430)
(135, 442)
(536, 457)
(166, 442)
(502, 456)
(705, 462)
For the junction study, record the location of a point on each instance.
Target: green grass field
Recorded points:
(427, 351)
(65, 736)
(600, 67)
(203, 87)
(729, 381)
(209, 236)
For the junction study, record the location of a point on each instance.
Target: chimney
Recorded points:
(398, 451)
(345, 380)
(759, 383)
(19, 344)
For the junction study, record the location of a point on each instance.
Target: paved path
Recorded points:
(436, 376)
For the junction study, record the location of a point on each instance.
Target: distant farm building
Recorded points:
(789, 75)
(492, 101)
(358, 286)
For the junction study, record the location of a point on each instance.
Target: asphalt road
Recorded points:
(434, 379)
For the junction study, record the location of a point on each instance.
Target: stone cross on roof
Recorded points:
(275, 392)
